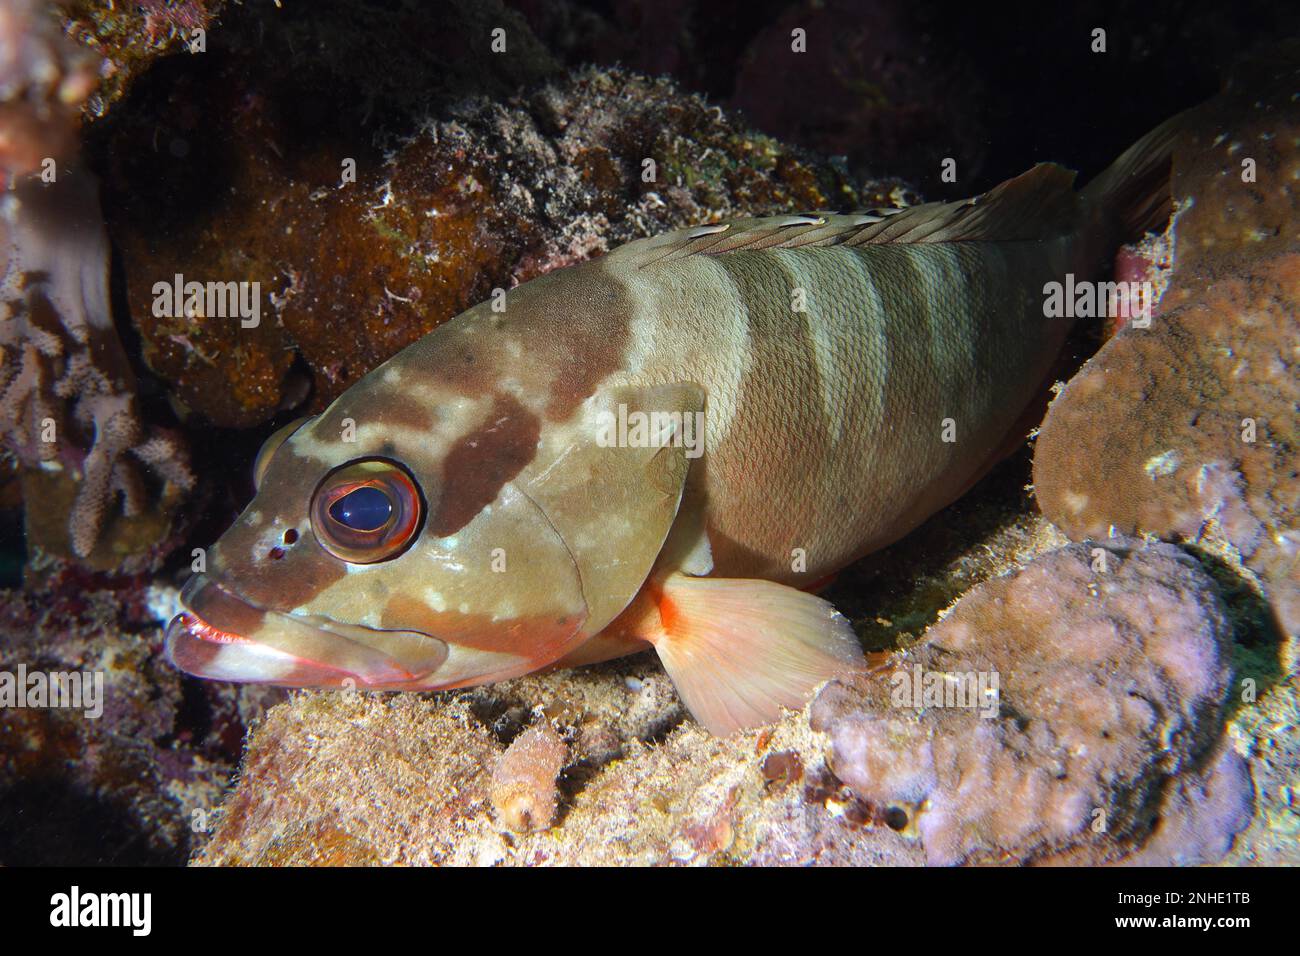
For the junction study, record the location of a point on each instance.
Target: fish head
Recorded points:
(387, 547)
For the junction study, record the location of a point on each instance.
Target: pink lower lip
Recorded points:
(193, 646)
(206, 632)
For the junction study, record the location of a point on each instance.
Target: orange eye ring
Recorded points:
(367, 511)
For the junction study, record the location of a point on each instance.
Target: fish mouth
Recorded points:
(221, 636)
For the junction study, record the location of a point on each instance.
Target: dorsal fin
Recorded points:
(1037, 204)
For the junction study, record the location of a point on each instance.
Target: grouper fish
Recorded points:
(668, 446)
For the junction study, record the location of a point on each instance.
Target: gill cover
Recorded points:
(612, 492)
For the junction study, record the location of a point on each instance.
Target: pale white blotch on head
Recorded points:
(515, 389)
(272, 537)
(443, 562)
(591, 422)
(588, 536)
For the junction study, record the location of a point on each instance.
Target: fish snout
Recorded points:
(221, 636)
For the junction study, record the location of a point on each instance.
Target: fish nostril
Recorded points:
(291, 536)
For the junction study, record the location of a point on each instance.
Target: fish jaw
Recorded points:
(221, 636)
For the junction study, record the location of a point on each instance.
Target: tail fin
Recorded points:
(1133, 194)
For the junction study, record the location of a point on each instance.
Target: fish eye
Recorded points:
(367, 511)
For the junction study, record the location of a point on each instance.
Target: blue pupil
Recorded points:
(365, 509)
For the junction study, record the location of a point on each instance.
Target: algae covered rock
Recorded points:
(406, 779)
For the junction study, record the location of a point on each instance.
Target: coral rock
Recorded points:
(351, 779)
(132, 36)
(357, 779)
(1189, 429)
(1111, 683)
(132, 779)
(1204, 811)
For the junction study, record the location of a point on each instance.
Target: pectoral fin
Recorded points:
(740, 650)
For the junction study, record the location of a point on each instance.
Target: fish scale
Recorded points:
(909, 359)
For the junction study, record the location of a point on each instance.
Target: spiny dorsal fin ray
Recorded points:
(1037, 204)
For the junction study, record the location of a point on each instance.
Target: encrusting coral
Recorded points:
(372, 249)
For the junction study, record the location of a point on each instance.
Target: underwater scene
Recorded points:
(646, 433)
